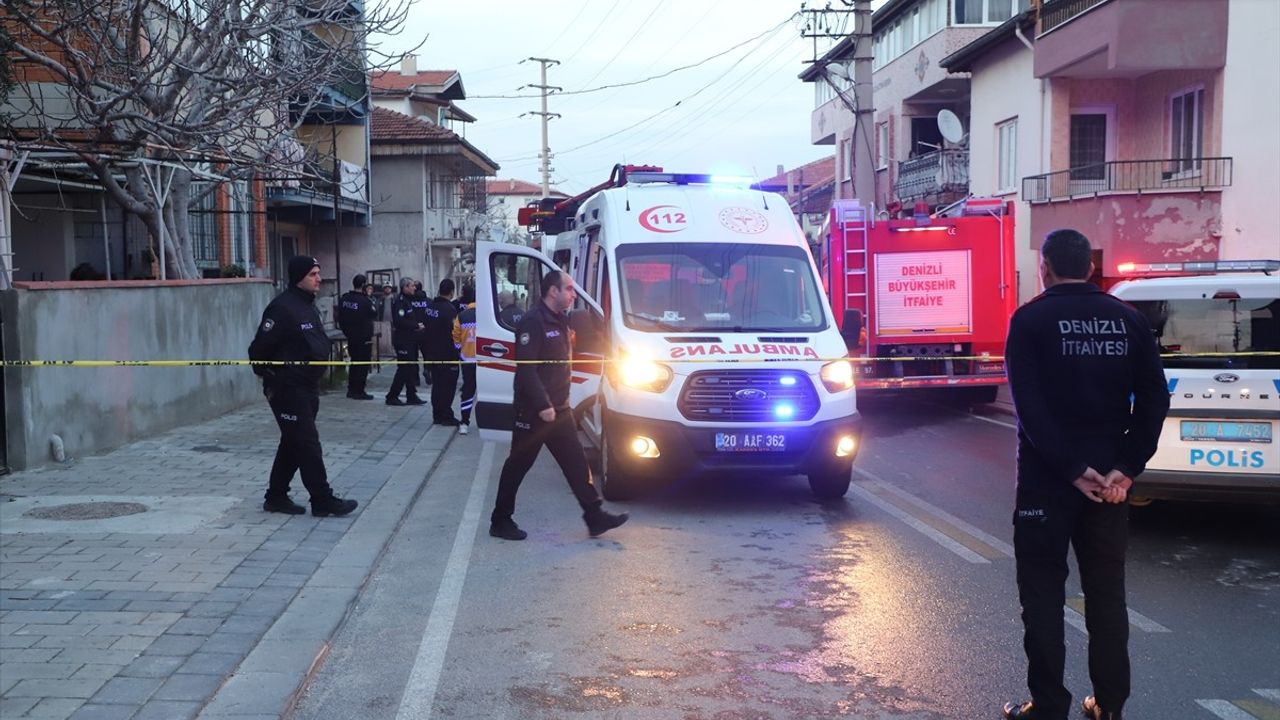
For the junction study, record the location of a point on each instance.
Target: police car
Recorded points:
(704, 338)
(1218, 327)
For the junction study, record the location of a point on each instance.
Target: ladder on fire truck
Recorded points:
(852, 220)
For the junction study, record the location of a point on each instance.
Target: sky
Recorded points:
(742, 113)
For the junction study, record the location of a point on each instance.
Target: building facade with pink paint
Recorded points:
(1152, 127)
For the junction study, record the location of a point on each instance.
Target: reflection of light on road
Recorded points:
(877, 618)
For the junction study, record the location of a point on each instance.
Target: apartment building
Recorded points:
(1140, 122)
(914, 163)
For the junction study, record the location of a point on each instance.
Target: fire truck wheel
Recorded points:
(830, 486)
(615, 483)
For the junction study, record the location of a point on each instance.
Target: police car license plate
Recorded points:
(1220, 431)
(751, 442)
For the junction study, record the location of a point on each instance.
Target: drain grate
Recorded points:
(86, 511)
(209, 449)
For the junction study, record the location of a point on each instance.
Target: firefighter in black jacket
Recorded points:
(1091, 397)
(441, 354)
(356, 313)
(291, 329)
(543, 415)
(405, 327)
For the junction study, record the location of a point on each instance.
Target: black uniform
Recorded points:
(438, 348)
(544, 335)
(420, 302)
(291, 329)
(404, 338)
(356, 313)
(1089, 391)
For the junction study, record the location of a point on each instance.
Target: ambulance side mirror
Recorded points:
(851, 330)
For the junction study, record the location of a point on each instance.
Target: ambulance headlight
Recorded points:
(642, 373)
(837, 376)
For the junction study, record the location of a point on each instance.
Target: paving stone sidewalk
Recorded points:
(148, 615)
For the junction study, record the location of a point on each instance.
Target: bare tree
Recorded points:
(165, 100)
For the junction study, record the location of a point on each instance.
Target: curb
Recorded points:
(279, 667)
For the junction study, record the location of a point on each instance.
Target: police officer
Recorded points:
(291, 329)
(420, 303)
(1091, 397)
(543, 415)
(356, 313)
(441, 354)
(405, 326)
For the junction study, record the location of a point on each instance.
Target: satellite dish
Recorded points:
(950, 126)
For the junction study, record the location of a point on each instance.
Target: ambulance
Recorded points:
(703, 340)
(1218, 327)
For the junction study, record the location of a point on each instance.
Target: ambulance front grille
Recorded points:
(718, 396)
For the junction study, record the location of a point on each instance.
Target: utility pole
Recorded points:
(826, 23)
(864, 169)
(546, 89)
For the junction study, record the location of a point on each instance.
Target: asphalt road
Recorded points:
(742, 597)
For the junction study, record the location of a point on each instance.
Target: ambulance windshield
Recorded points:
(728, 287)
(1215, 325)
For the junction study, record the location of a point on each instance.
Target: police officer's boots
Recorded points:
(600, 521)
(332, 505)
(1093, 711)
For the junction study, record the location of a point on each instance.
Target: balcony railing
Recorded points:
(934, 173)
(1059, 12)
(1129, 176)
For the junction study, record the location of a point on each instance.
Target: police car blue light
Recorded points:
(784, 411)
(787, 380)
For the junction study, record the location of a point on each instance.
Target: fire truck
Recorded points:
(923, 302)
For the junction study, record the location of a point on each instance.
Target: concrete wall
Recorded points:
(95, 409)
(1147, 228)
(1250, 118)
(1003, 88)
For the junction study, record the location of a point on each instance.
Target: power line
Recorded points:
(595, 32)
(570, 24)
(655, 133)
(630, 39)
(655, 115)
(672, 71)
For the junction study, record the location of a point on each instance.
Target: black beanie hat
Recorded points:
(299, 266)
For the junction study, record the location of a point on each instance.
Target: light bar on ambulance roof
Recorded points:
(687, 178)
(1202, 266)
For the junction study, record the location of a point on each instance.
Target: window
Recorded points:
(987, 12)
(1007, 156)
(882, 145)
(706, 287)
(1186, 123)
(516, 279)
(1088, 151)
(202, 227)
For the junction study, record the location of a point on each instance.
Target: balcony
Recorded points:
(1129, 38)
(1059, 12)
(312, 188)
(1129, 176)
(1137, 210)
(933, 174)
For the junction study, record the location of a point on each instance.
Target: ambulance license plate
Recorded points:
(1220, 431)
(751, 442)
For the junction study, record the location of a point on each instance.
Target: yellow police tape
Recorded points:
(718, 359)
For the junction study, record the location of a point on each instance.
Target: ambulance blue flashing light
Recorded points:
(687, 178)
(783, 411)
(787, 380)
